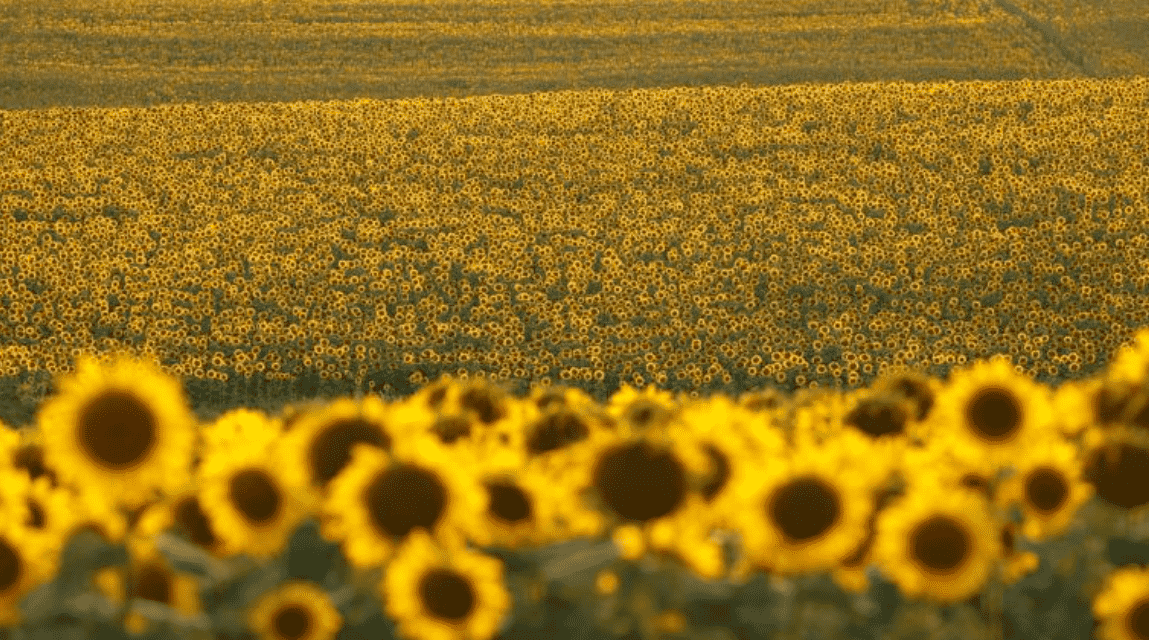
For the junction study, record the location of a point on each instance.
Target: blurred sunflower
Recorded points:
(938, 544)
(994, 409)
(1047, 486)
(918, 388)
(445, 592)
(641, 485)
(181, 512)
(1116, 464)
(1131, 362)
(547, 436)
(375, 503)
(559, 395)
(27, 453)
(1122, 606)
(951, 465)
(252, 504)
(641, 410)
(149, 577)
(806, 514)
(815, 414)
(737, 442)
(767, 399)
(877, 428)
(851, 573)
(495, 440)
(295, 610)
(524, 508)
(319, 446)
(240, 427)
(124, 430)
(26, 562)
(1015, 564)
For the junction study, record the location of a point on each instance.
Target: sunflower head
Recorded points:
(935, 548)
(1115, 464)
(124, 429)
(295, 610)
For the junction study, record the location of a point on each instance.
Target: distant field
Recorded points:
(701, 240)
(91, 53)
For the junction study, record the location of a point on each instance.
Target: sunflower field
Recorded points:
(857, 361)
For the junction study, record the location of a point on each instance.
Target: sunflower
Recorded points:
(938, 544)
(559, 395)
(805, 515)
(1131, 362)
(951, 465)
(319, 445)
(25, 563)
(181, 512)
(240, 427)
(547, 436)
(524, 508)
(27, 453)
(53, 513)
(876, 427)
(1015, 564)
(737, 441)
(1047, 486)
(767, 399)
(381, 497)
(496, 440)
(641, 410)
(918, 388)
(446, 592)
(1121, 608)
(124, 430)
(851, 573)
(1115, 464)
(640, 487)
(295, 610)
(148, 577)
(252, 504)
(994, 409)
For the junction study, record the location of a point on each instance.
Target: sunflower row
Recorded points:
(930, 482)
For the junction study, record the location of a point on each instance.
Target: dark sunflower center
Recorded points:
(31, 458)
(639, 482)
(1137, 620)
(508, 502)
(940, 544)
(117, 430)
(35, 514)
(153, 582)
(189, 516)
(717, 479)
(804, 508)
(331, 449)
(1045, 489)
(11, 565)
(292, 622)
(1121, 479)
(1007, 537)
(486, 404)
(875, 418)
(254, 495)
(919, 393)
(403, 497)
(644, 413)
(555, 430)
(446, 594)
(994, 413)
(975, 481)
(450, 428)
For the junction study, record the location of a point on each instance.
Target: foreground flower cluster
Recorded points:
(932, 482)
